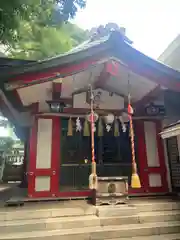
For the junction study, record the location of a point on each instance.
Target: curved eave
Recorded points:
(133, 57)
(171, 131)
(114, 46)
(55, 64)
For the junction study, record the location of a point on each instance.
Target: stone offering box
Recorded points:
(111, 190)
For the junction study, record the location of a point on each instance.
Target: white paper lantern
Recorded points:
(125, 117)
(109, 119)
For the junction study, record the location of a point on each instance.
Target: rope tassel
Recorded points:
(93, 177)
(135, 181)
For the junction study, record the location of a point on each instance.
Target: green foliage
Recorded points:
(41, 12)
(37, 42)
(6, 144)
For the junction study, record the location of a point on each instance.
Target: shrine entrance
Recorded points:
(112, 153)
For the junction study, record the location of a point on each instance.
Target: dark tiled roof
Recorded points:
(6, 62)
(114, 45)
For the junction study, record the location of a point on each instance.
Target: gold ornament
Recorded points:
(116, 128)
(70, 128)
(86, 132)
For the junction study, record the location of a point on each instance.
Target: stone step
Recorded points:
(22, 214)
(162, 206)
(98, 233)
(85, 221)
(155, 237)
(126, 210)
(102, 211)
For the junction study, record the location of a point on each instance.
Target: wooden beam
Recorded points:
(103, 77)
(56, 90)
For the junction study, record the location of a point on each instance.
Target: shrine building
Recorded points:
(49, 103)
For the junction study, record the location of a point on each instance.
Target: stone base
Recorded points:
(111, 191)
(111, 200)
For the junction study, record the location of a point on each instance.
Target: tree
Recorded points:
(37, 42)
(7, 142)
(42, 12)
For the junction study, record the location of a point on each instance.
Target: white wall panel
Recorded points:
(151, 144)
(44, 144)
(42, 183)
(155, 180)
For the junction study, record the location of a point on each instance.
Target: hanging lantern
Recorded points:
(109, 119)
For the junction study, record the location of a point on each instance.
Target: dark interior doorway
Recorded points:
(112, 154)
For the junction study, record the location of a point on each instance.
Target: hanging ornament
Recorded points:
(100, 128)
(109, 119)
(122, 124)
(70, 127)
(108, 127)
(86, 131)
(78, 125)
(116, 128)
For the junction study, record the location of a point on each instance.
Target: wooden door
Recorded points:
(43, 174)
(154, 168)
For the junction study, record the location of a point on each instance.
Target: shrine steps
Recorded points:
(160, 220)
(99, 233)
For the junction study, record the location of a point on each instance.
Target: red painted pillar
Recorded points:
(32, 157)
(55, 154)
(141, 157)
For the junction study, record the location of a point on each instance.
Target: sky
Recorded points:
(150, 24)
